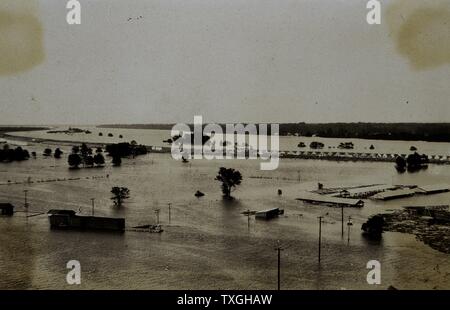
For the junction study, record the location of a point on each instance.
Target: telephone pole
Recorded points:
(248, 220)
(25, 191)
(157, 216)
(349, 224)
(279, 249)
(170, 206)
(93, 205)
(342, 221)
(320, 235)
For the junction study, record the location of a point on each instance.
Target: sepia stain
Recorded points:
(421, 30)
(21, 37)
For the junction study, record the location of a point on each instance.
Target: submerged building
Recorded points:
(394, 194)
(432, 189)
(68, 219)
(330, 200)
(6, 209)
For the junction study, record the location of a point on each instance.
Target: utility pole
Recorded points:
(279, 249)
(349, 224)
(320, 235)
(93, 205)
(342, 221)
(248, 220)
(170, 206)
(157, 216)
(25, 191)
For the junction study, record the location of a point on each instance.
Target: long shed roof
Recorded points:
(311, 197)
(391, 194)
(433, 188)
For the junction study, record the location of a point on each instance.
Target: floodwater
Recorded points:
(208, 243)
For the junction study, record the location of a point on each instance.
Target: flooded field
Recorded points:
(208, 243)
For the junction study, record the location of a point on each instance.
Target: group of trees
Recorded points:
(8, 154)
(57, 154)
(412, 163)
(124, 149)
(84, 155)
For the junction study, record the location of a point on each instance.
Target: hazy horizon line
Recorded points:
(191, 123)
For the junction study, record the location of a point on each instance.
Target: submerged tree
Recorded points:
(89, 161)
(74, 160)
(99, 160)
(85, 150)
(47, 152)
(412, 163)
(416, 161)
(57, 153)
(116, 161)
(119, 195)
(125, 149)
(400, 164)
(230, 178)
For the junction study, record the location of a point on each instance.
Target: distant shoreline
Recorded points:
(427, 132)
(47, 141)
(5, 129)
(430, 132)
(340, 156)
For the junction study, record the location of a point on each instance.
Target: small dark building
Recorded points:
(199, 194)
(268, 214)
(6, 209)
(67, 219)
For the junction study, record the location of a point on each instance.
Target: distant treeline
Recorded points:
(138, 126)
(436, 132)
(19, 128)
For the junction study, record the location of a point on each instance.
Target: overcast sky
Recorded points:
(147, 61)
